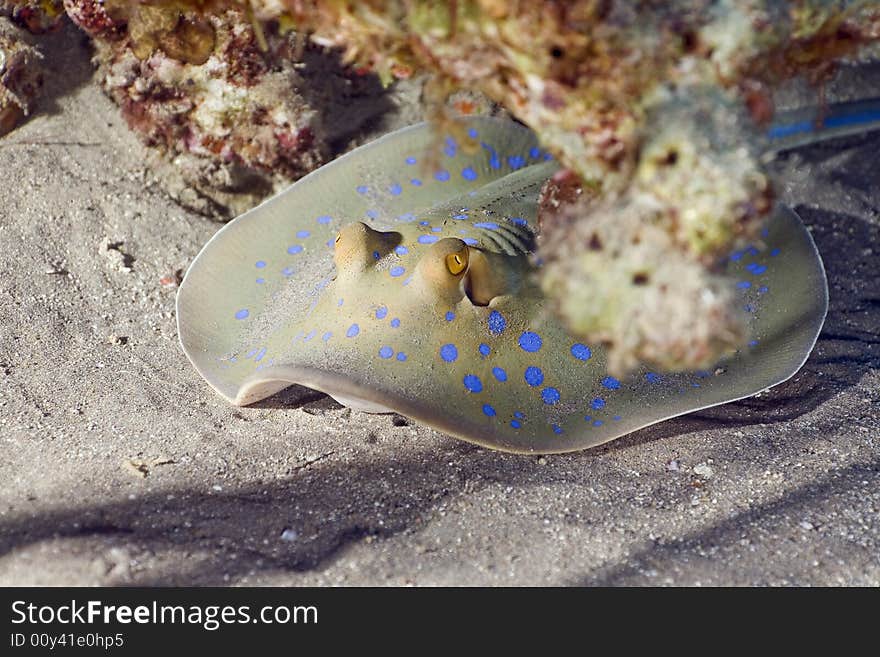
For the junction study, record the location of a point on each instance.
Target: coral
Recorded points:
(36, 16)
(237, 109)
(21, 76)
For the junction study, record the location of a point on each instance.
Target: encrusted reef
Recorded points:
(228, 101)
(21, 75)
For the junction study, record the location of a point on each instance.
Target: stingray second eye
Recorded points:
(357, 246)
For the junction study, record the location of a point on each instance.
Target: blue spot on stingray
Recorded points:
(261, 280)
(548, 156)
(550, 395)
(407, 216)
(763, 289)
(449, 352)
(372, 214)
(597, 404)
(287, 271)
(488, 410)
(472, 383)
(516, 161)
(485, 349)
(534, 152)
(401, 250)
(519, 415)
(260, 264)
(736, 256)
(311, 334)
(437, 229)
(753, 343)
(497, 323)
(534, 376)
(530, 342)
(415, 182)
(242, 314)
(611, 383)
(386, 352)
(556, 429)
(774, 252)
(516, 424)
(587, 418)
(376, 255)
(424, 223)
(470, 241)
(381, 312)
(581, 351)
(652, 377)
(472, 133)
(459, 216)
(494, 161)
(395, 323)
(260, 354)
(468, 173)
(395, 189)
(450, 315)
(489, 225)
(397, 271)
(598, 423)
(499, 374)
(352, 331)
(451, 147)
(519, 221)
(340, 302)
(756, 269)
(361, 189)
(744, 285)
(442, 175)
(752, 251)
(302, 234)
(617, 418)
(293, 250)
(401, 356)
(408, 280)
(324, 219)
(410, 160)
(250, 353)
(327, 336)
(427, 239)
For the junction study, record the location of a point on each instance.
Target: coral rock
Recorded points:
(21, 76)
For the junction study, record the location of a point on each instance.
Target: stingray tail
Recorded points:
(807, 125)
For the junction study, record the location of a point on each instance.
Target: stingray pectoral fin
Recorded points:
(342, 389)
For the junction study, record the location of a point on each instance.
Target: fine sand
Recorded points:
(119, 466)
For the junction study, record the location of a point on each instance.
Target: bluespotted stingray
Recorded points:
(395, 286)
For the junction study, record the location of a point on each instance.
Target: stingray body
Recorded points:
(394, 279)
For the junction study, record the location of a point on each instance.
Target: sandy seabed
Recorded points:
(119, 466)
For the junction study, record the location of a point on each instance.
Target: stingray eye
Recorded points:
(457, 262)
